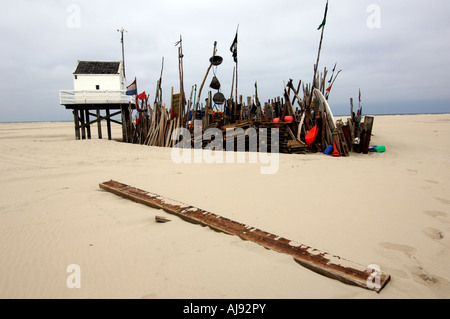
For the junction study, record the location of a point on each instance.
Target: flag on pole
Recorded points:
(142, 96)
(358, 114)
(233, 47)
(131, 89)
(139, 120)
(324, 21)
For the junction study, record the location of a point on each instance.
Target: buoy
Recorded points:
(328, 150)
(335, 150)
(216, 60)
(215, 84)
(288, 118)
(311, 136)
(380, 149)
(219, 98)
(276, 120)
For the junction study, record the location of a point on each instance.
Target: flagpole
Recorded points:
(180, 69)
(136, 99)
(123, 50)
(236, 92)
(203, 83)
(318, 53)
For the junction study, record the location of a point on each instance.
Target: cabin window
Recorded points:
(75, 77)
(97, 87)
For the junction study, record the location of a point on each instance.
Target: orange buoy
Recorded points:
(335, 150)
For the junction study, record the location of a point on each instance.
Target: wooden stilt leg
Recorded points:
(99, 124)
(108, 123)
(88, 124)
(83, 126)
(77, 123)
(124, 124)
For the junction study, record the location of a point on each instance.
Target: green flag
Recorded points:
(324, 18)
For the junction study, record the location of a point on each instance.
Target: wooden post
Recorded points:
(124, 124)
(130, 124)
(77, 123)
(83, 128)
(249, 107)
(88, 124)
(318, 54)
(99, 124)
(171, 101)
(237, 72)
(240, 100)
(108, 123)
(367, 134)
(351, 108)
(236, 92)
(181, 73)
(232, 84)
(203, 83)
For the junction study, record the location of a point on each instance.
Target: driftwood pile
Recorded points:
(292, 115)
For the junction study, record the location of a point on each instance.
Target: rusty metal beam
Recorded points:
(318, 261)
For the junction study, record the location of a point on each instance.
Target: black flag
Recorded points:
(233, 47)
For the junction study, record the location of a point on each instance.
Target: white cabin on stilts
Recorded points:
(98, 86)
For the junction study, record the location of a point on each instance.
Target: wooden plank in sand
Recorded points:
(321, 262)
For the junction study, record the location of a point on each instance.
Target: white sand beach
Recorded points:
(391, 209)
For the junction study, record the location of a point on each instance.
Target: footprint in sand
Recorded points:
(408, 250)
(433, 233)
(436, 213)
(443, 200)
(429, 186)
(421, 275)
(417, 271)
(441, 216)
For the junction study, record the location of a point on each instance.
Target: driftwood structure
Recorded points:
(299, 112)
(290, 113)
(321, 262)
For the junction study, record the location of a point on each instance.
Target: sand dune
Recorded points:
(391, 209)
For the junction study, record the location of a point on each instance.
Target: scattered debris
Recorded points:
(160, 219)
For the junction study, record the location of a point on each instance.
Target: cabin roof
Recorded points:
(97, 67)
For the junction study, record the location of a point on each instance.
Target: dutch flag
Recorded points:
(131, 89)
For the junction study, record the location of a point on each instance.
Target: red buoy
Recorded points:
(288, 118)
(276, 120)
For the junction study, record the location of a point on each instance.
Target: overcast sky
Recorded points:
(395, 51)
